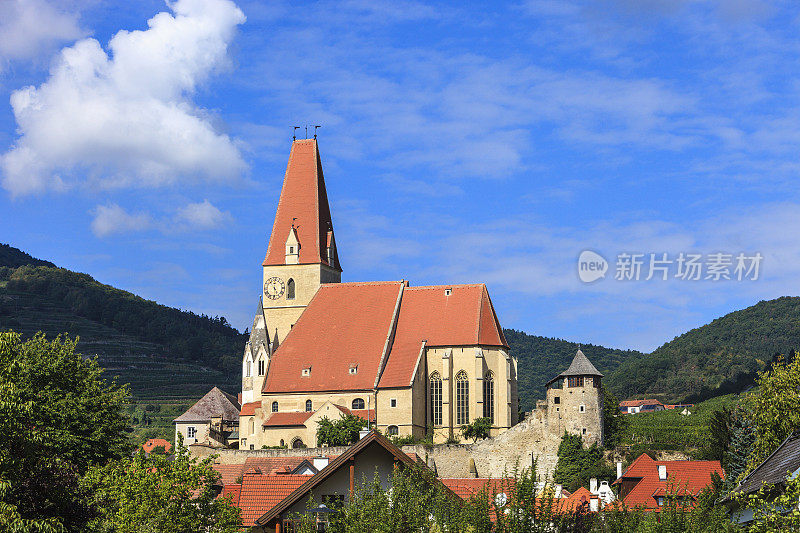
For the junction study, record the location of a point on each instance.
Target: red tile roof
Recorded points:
(288, 419)
(260, 493)
(229, 474)
(304, 204)
(366, 414)
(465, 317)
(683, 478)
(466, 488)
(249, 409)
(233, 490)
(152, 443)
(637, 403)
(580, 499)
(345, 324)
(348, 324)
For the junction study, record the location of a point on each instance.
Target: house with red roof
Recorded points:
(151, 444)
(640, 406)
(402, 357)
(650, 484)
(270, 499)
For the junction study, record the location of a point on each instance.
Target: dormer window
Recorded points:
(353, 370)
(291, 249)
(306, 372)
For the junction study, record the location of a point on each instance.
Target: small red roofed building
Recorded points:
(640, 406)
(151, 444)
(404, 357)
(649, 484)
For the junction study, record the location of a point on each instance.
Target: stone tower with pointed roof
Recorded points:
(575, 401)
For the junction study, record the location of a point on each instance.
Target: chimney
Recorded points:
(594, 504)
(662, 472)
(593, 485)
(619, 469)
(320, 462)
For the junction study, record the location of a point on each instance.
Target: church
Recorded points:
(409, 359)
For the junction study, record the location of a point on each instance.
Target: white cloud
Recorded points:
(112, 219)
(28, 28)
(202, 215)
(126, 118)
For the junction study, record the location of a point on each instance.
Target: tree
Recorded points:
(58, 417)
(478, 429)
(152, 493)
(576, 464)
(774, 408)
(341, 432)
(614, 422)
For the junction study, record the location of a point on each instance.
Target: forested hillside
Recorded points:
(542, 358)
(718, 358)
(161, 351)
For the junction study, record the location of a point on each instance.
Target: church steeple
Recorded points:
(303, 209)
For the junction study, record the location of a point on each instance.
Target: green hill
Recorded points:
(718, 358)
(162, 352)
(542, 358)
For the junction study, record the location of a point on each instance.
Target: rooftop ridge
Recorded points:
(445, 286)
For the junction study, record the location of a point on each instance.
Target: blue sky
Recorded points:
(461, 143)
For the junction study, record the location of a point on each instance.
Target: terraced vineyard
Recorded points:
(152, 418)
(670, 430)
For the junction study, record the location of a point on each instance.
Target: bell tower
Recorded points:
(301, 254)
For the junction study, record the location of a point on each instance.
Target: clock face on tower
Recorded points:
(273, 288)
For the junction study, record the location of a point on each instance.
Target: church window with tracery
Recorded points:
(436, 399)
(488, 396)
(462, 398)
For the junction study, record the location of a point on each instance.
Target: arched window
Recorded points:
(436, 399)
(488, 396)
(252, 425)
(290, 289)
(392, 431)
(462, 398)
(282, 443)
(249, 364)
(358, 403)
(308, 405)
(274, 407)
(261, 367)
(298, 443)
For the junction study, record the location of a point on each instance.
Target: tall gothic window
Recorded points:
(260, 367)
(358, 403)
(290, 289)
(249, 363)
(488, 396)
(436, 399)
(308, 405)
(462, 398)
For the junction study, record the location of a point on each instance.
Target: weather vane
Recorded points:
(315, 131)
(294, 133)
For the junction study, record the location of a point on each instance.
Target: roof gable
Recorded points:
(775, 468)
(344, 325)
(683, 477)
(334, 466)
(215, 403)
(303, 205)
(439, 315)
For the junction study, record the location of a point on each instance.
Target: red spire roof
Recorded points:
(304, 204)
